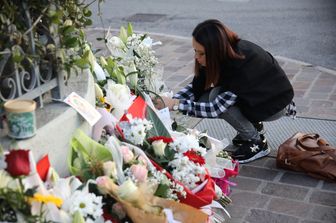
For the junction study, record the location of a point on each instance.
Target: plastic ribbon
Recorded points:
(137, 109)
(107, 120)
(211, 211)
(42, 167)
(223, 182)
(113, 144)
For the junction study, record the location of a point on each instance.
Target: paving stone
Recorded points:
(285, 191)
(324, 214)
(267, 216)
(321, 103)
(257, 163)
(303, 102)
(271, 163)
(248, 199)
(305, 76)
(177, 78)
(310, 221)
(182, 49)
(321, 88)
(329, 186)
(171, 69)
(290, 76)
(257, 172)
(299, 93)
(322, 197)
(318, 95)
(245, 183)
(291, 72)
(292, 66)
(237, 213)
(289, 207)
(332, 97)
(299, 179)
(302, 85)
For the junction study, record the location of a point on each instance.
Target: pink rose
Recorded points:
(127, 154)
(142, 160)
(118, 209)
(139, 172)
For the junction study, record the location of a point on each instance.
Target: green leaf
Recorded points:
(88, 22)
(17, 54)
(129, 29)
(67, 30)
(78, 218)
(120, 76)
(71, 42)
(85, 150)
(123, 34)
(159, 128)
(87, 12)
(169, 153)
(82, 63)
(162, 191)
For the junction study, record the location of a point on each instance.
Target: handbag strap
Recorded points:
(322, 149)
(314, 136)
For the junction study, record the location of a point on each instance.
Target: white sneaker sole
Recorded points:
(256, 156)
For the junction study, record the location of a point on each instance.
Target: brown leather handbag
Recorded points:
(308, 153)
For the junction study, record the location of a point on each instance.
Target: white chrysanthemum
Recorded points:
(135, 130)
(186, 171)
(88, 204)
(187, 142)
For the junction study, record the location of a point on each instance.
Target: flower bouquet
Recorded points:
(181, 156)
(132, 60)
(128, 182)
(32, 192)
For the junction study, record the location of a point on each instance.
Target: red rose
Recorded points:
(194, 157)
(164, 139)
(18, 162)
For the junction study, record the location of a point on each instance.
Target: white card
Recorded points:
(84, 108)
(164, 115)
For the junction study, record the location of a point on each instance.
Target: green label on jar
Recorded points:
(21, 125)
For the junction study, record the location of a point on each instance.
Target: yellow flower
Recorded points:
(46, 199)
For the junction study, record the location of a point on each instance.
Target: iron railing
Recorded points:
(31, 80)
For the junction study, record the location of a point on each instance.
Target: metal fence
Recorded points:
(30, 80)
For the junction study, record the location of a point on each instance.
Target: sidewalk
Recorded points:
(264, 193)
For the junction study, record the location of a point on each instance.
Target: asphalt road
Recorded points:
(303, 30)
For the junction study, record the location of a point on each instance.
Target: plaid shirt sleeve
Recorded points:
(291, 110)
(186, 93)
(210, 109)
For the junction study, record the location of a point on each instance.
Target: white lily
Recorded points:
(98, 70)
(98, 91)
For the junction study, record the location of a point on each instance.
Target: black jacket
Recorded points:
(261, 85)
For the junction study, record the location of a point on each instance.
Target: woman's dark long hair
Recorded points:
(218, 42)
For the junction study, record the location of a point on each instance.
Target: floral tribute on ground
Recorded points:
(133, 167)
(194, 164)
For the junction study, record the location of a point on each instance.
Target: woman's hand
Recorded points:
(164, 101)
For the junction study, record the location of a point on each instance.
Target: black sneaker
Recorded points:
(238, 141)
(251, 150)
